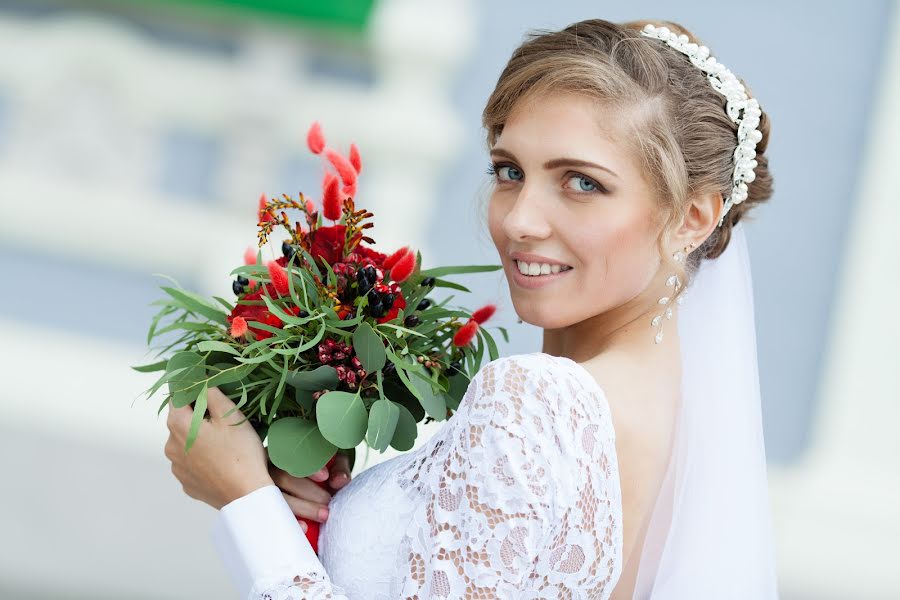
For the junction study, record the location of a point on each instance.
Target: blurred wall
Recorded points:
(135, 142)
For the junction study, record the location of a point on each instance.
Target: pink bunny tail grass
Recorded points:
(404, 267)
(262, 215)
(355, 158)
(342, 166)
(238, 327)
(466, 333)
(279, 277)
(484, 313)
(315, 139)
(391, 260)
(331, 198)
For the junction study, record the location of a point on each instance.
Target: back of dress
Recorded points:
(518, 495)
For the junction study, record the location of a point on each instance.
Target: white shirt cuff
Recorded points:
(257, 536)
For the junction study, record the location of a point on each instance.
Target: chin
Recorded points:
(541, 315)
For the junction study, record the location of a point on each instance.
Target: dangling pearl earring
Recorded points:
(673, 280)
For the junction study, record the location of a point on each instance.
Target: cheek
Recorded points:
(496, 212)
(617, 259)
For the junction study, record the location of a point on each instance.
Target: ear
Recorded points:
(700, 219)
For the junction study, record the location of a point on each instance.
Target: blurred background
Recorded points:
(136, 137)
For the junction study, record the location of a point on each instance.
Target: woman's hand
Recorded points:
(226, 461)
(307, 499)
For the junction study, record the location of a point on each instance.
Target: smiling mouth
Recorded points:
(538, 269)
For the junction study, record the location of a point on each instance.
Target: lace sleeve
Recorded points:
(521, 492)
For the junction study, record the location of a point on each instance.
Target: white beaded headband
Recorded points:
(743, 111)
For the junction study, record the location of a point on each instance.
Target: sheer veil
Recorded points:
(710, 534)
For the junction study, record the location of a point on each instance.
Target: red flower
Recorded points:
(466, 333)
(365, 252)
(343, 166)
(314, 138)
(238, 327)
(484, 313)
(328, 243)
(404, 267)
(249, 256)
(261, 214)
(355, 159)
(310, 206)
(279, 277)
(350, 190)
(331, 198)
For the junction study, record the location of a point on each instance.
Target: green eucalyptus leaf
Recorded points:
(150, 368)
(231, 374)
(297, 446)
(382, 423)
(197, 418)
(405, 432)
(369, 348)
(210, 346)
(454, 270)
(450, 284)
(433, 403)
(195, 303)
(342, 418)
(321, 378)
(190, 369)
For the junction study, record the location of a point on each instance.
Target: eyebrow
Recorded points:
(556, 162)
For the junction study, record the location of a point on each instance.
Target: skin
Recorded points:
(598, 315)
(206, 475)
(605, 225)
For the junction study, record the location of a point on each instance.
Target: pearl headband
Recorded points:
(743, 111)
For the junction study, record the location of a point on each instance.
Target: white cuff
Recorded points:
(257, 536)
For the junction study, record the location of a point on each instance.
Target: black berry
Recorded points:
(411, 320)
(243, 280)
(425, 303)
(287, 250)
(236, 287)
(388, 300)
(428, 281)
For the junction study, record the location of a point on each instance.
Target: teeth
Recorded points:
(535, 269)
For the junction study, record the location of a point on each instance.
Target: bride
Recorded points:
(625, 460)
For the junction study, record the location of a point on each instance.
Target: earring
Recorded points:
(672, 281)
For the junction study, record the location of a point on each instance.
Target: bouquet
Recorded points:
(330, 345)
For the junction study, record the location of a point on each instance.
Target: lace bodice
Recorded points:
(517, 496)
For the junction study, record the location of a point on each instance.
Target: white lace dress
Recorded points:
(517, 496)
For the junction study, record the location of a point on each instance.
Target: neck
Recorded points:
(625, 331)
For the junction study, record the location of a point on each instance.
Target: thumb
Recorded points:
(339, 475)
(219, 404)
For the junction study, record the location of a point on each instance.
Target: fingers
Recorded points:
(299, 487)
(179, 419)
(340, 471)
(320, 475)
(219, 404)
(306, 509)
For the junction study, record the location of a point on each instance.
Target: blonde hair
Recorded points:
(680, 131)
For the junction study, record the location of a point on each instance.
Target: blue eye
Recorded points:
(511, 173)
(585, 184)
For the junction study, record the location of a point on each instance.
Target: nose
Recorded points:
(528, 217)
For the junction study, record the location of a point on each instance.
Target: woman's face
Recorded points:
(569, 197)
